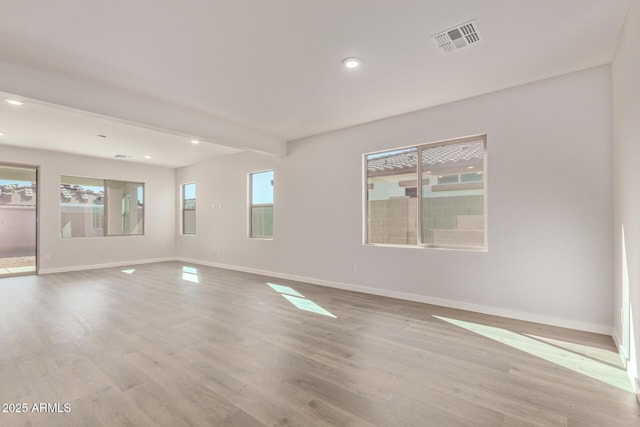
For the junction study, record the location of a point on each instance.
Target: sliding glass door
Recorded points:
(18, 219)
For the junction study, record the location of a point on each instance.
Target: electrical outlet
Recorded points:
(356, 269)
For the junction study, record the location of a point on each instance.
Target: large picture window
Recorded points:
(445, 208)
(189, 208)
(91, 207)
(261, 204)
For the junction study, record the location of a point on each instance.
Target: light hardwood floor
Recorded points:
(152, 347)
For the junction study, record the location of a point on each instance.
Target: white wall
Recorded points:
(67, 254)
(626, 180)
(549, 204)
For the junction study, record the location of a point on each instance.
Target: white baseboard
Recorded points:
(461, 305)
(106, 265)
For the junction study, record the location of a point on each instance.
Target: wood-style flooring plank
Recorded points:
(149, 348)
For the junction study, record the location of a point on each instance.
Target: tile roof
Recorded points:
(77, 194)
(17, 195)
(448, 154)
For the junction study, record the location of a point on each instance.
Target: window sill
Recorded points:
(439, 247)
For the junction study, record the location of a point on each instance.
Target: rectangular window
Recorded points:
(91, 207)
(81, 207)
(450, 209)
(392, 211)
(261, 204)
(125, 208)
(189, 208)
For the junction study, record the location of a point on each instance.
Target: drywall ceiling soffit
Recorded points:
(40, 125)
(80, 95)
(253, 74)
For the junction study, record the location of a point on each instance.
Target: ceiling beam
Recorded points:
(134, 108)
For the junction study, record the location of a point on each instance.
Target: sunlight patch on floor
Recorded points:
(285, 290)
(190, 274)
(307, 305)
(299, 301)
(565, 355)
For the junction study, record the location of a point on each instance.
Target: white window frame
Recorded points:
(251, 205)
(105, 206)
(182, 209)
(419, 174)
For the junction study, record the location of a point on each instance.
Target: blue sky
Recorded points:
(262, 188)
(189, 191)
(13, 181)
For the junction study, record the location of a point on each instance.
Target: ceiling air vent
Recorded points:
(457, 37)
(121, 156)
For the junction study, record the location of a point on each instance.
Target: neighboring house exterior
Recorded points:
(452, 192)
(82, 213)
(17, 220)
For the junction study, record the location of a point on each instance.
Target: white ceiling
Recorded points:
(253, 74)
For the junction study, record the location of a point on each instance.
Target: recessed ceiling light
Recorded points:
(195, 141)
(351, 63)
(1, 133)
(147, 156)
(101, 136)
(13, 101)
(469, 167)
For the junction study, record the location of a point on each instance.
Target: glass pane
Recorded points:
(392, 205)
(448, 179)
(262, 221)
(189, 192)
(189, 218)
(262, 188)
(472, 177)
(17, 220)
(126, 208)
(262, 204)
(453, 194)
(81, 207)
(189, 209)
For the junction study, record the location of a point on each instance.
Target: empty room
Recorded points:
(320, 213)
